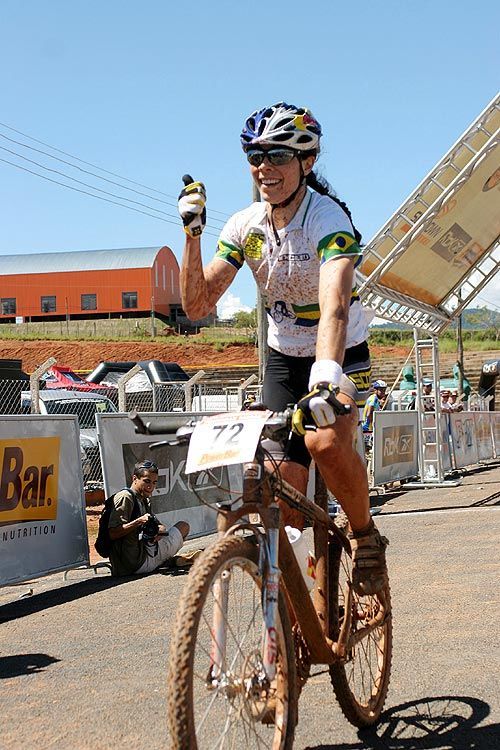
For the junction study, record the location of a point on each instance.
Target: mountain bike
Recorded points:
(247, 630)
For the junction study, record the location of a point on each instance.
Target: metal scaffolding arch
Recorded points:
(415, 216)
(457, 186)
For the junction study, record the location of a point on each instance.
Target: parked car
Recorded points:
(85, 406)
(158, 387)
(59, 376)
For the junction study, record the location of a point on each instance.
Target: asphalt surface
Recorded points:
(83, 660)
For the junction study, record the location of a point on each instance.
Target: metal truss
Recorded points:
(434, 191)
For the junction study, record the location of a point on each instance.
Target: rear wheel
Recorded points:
(361, 679)
(218, 693)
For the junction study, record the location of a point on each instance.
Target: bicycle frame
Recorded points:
(277, 560)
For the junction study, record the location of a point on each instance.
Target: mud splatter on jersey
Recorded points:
(288, 274)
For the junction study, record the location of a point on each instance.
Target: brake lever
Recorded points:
(174, 441)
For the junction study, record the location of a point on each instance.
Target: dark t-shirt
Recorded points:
(127, 553)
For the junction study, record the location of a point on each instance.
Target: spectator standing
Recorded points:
(427, 397)
(455, 404)
(374, 403)
(445, 402)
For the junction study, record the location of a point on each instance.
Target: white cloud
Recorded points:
(490, 295)
(379, 322)
(230, 304)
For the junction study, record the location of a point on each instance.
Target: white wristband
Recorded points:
(325, 371)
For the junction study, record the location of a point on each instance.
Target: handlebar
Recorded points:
(277, 422)
(158, 427)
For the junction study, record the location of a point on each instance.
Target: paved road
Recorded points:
(82, 662)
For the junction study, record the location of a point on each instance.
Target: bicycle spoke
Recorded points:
(234, 708)
(361, 682)
(230, 629)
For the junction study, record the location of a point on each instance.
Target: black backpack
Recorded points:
(103, 542)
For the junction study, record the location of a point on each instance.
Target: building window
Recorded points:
(48, 304)
(9, 306)
(129, 300)
(89, 301)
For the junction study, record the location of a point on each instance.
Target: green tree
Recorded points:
(243, 319)
(484, 318)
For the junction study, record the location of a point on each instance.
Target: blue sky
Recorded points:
(152, 90)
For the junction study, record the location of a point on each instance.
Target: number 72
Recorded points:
(228, 433)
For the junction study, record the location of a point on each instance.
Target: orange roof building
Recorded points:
(93, 283)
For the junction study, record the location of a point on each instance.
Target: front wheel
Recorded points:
(361, 679)
(218, 692)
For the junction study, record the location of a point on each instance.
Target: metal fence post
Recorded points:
(243, 386)
(188, 388)
(122, 382)
(35, 383)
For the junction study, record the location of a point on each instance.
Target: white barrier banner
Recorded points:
(463, 438)
(395, 447)
(429, 420)
(173, 500)
(495, 431)
(483, 435)
(43, 526)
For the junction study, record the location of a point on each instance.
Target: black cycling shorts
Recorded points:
(286, 380)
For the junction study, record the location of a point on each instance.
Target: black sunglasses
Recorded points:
(147, 465)
(275, 156)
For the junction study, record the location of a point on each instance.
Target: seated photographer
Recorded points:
(140, 544)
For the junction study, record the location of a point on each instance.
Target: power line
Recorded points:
(86, 171)
(488, 302)
(93, 187)
(100, 197)
(95, 166)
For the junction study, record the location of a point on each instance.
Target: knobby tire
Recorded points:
(361, 681)
(228, 715)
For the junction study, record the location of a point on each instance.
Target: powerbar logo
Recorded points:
(398, 444)
(29, 479)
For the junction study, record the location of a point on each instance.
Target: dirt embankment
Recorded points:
(85, 355)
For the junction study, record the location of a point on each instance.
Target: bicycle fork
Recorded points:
(269, 574)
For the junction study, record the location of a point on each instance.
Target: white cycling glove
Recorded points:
(323, 371)
(192, 208)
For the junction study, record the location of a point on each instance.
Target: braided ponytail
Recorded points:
(321, 186)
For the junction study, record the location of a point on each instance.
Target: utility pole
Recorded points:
(261, 318)
(460, 350)
(153, 321)
(67, 316)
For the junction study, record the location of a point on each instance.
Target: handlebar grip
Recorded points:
(158, 427)
(187, 179)
(163, 427)
(140, 426)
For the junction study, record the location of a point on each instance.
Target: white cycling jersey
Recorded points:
(287, 274)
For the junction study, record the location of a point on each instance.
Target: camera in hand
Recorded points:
(150, 529)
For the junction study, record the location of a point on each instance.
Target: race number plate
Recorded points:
(225, 439)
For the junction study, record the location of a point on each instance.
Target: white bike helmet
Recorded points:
(282, 125)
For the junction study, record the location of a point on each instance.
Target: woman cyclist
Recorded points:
(302, 249)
